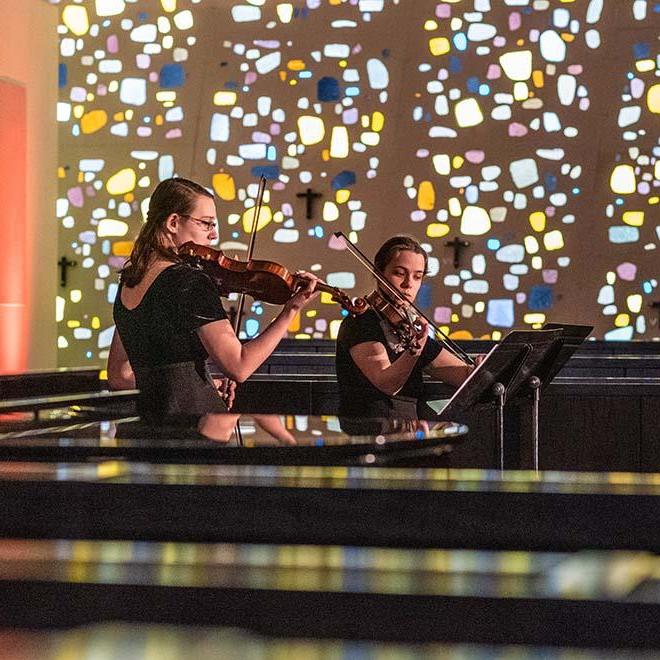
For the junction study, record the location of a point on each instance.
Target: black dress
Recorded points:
(162, 345)
(357, 396)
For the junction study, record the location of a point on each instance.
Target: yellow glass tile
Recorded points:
(295, 65)
(633, 218)
(645, 65)
(377, 121)
(455, 318)
(224, 186)
(537, 220)
(122, 248)
(430, 25)
(73, 324)
(265, 216)
(553, 240)
(426, 196)
(622, 320)
(122, 181)
(76, 19)
(96, 322)
(224, 98)
(326, 298)
(568, 37)
(461, 334)
(439, 46)
(534, 318)
(294, 326)
(653, 99)
(537, 78)
(159, 120)
(437, 229)
(118, 116)
(61, 172)
(457, 162)
(342, 196)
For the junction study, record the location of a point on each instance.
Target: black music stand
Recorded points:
(487, 384)
(551, 348)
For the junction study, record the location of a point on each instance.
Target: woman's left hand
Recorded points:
(227, 389)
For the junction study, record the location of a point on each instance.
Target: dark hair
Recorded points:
(390, 247)
(175, 195)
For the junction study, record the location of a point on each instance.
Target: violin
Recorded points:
(262, 280)
(406, 325)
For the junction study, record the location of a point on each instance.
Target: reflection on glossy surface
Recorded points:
(110, 641)
(583, 575)
(305, 430)
(254, 430)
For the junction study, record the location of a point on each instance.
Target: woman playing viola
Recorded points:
(377, 376)
(169, 317)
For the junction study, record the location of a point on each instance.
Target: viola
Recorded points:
(405, 318)
(406, 325)
(262, 280)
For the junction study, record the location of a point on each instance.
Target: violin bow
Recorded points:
(241, 300)
(250, 252)
(364, 260)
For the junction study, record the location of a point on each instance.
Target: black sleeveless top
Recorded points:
(162, 345)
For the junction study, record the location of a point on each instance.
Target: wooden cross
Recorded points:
(458, 244)
(309, 197)
(64, 264)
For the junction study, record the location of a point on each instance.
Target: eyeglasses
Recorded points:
(206, 225)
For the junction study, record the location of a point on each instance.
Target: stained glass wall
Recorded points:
(528, 128)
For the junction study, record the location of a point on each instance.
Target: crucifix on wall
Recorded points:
(310, 196)
(64, 265)
(458, 244)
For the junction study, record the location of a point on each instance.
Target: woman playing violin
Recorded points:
(169, 317)
(377, 375)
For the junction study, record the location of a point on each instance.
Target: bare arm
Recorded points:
(449, 369)
(239, 361)
(373, 361)
(120, 372)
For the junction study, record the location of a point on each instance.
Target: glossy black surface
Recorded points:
(90, 433)
(335, 591)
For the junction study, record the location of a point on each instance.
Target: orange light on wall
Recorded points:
(13, 288)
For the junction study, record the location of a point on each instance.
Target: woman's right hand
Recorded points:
(305, 294)
(422, 337)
